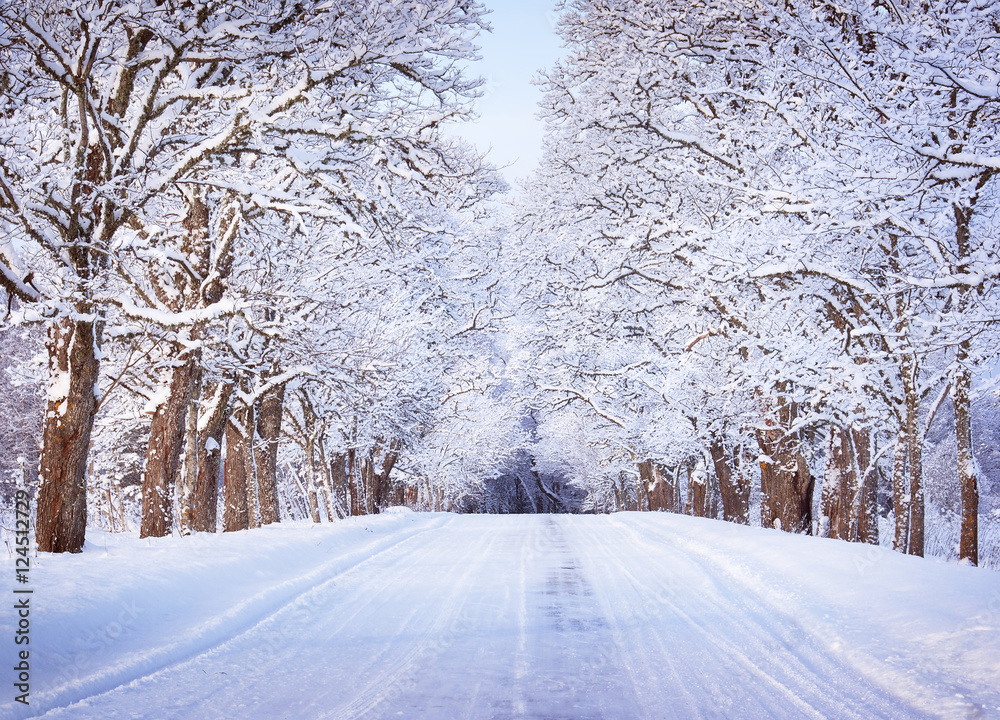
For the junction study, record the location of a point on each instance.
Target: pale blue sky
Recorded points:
(523, 41)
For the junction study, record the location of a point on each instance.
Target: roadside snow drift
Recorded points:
(440, 616)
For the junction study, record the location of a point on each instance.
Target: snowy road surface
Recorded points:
(442, 616)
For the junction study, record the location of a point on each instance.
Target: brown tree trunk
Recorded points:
(212, 427)
(167, 430)
(866, 506)
(269, 430)
(654, 493)
(697, 491)
(674, 497)
(250, 458)
(339, 480)
(968, 481)
(234, 483)
(353, 482)
(961, 385)
(311, 492)
(190, 477)
(381, 484)
(163, 452)
(69, 420)
(642, 493)
(839, 486)
(368, 484)
(915, 465)
(380, 490)
(900, 498)
(733, 487)
(323, 471)
(785, 483)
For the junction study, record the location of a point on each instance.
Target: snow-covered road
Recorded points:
(442, 616)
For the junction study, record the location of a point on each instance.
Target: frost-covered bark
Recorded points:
(968, 468)
(69, 420)
(914, 440)
(698, 491)
(848, 500)
(786, 485)
(163, 451)
(381, 462)
(212, 422)
(661, 493)
(311, 486)
(338, 481)
(837, 483)
(269, 430)
(865, 502)
(237, 461)
(734, 485)
(189, 477)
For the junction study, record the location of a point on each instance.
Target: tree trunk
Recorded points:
(698, 496)
(642, 492)
(311, 493)
(654, 492)
(190, 478)
(900, 498)
(74, 370)
(339, 480)
(324, 482)
(212, 427)
(733, 487)
(866, 504)
(675, 489)
(968, 480)
(269, 430)
(234, 483)
(163, 452)
(381, 484)
(961, 385)
(839, 485)
(785, 483)
(353, 483)
(368, 483)
(915, 465)
(250, 458)
(167, 430)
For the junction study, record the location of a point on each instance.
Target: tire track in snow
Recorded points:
(363, 648)
(571, 667)
(636, 659)
(709, 626)
(397, 674)
(221, 628)
(909, 699)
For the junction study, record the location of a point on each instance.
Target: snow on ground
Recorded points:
(634, 615)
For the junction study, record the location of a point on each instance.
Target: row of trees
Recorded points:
(234, 218)
(764, 237)
(758, 257)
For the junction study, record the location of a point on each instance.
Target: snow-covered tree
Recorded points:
(116, 114)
